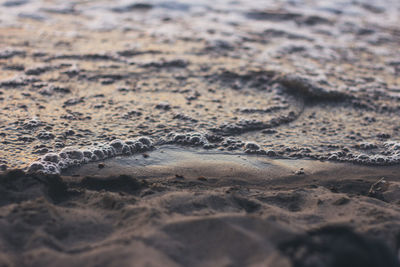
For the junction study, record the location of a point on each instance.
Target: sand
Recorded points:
(196, 208)
(199, 133)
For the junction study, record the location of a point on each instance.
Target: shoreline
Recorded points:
(199, 133)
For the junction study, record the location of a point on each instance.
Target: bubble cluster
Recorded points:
(389, 154)
(190, 139)
(45, 135)
(33, 123)
(54, 163)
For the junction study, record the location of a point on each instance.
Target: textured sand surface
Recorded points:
(315, 79)
(199, 133)
(190, 208)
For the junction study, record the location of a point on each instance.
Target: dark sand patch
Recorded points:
(179, 207)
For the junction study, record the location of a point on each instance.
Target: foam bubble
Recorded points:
(33, 123)
(253, 148)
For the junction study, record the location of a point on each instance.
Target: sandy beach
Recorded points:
(199, 133)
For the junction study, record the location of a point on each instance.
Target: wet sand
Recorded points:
(301, 80)
(199, 133)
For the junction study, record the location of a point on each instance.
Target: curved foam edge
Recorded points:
(55, 163)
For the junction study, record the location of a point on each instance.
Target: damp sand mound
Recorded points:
(175, 207)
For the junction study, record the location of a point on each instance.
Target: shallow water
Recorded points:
(283, 79)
